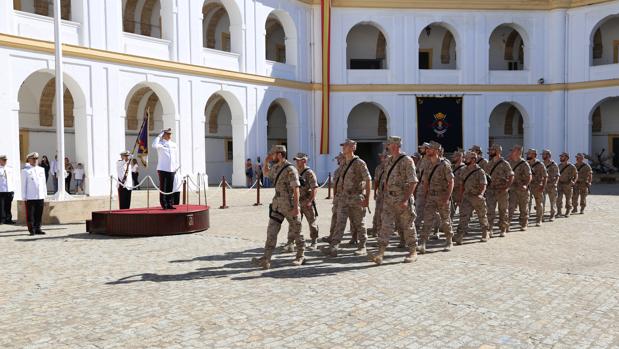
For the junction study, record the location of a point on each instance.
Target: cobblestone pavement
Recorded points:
(555, 286)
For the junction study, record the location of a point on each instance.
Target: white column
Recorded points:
(6, 17)
(79, 13)
(169, 23)
(195, 32)
(113, 26)
(239, 136)
(59, 98)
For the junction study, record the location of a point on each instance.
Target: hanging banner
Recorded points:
(440, 119)
(326, 74)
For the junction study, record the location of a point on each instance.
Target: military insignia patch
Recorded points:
(440, 125)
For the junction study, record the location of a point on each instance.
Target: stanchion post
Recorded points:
(258, 185)
(111, 191)
(329, 187)
(199, 188)
(148, 198)
(224, 184)
(185, 191)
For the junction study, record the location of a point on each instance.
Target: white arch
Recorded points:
(236, 23)
(380, 29)
(589, 134)
(167, 103)
(526, 120)
(452, 29)
(290, 30)
(377, 105)
(524, 35)
(598, 25)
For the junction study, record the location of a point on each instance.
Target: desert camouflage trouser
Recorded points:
(435, 204)
(519, 198)
(310, 215)
(538, 197)
(470, 204)
(498, 198)
(349, 206)
(395, 217)
(581, 190)
(564, 189)
(275, 224)
(551, 192)
(378, 209)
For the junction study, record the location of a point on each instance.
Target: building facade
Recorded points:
(233, 77)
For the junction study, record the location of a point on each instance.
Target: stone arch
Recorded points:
(604, 131)
(435, 38)
(281, 38)
(506, 125)
(604, 41)
(507, 47)
(366, 47)
(367, 123)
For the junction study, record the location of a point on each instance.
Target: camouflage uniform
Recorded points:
(350, 189)
(435, 200)
(281, 208)
(455, 195)
(336, 195)
(539, 176)
(395, 182)
(472, 179)
(378, 197)
(499, 171)
(581, 188)
(420, 200)
(519, 196)
(305, 196)
(567, 177)
(551, 186)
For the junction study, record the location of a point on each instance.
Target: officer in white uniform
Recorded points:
(34, 191)
(123, 171)
(7, 191)
(167, 152)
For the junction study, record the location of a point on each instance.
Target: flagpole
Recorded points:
(61, 194)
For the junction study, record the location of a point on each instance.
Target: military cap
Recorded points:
(470, 154)
(278, 149)
(125, 153)
(547, 151)
(394, 140)
(496, 147)
(301, 156)
(348, 142)
(3, 157)
(459, 151)
(582, 155)
(532, 150)
(435, 145)
(517, 147)
(565, 154)
(475, 148)
(33, 155)
(424, 145)
(167, 130)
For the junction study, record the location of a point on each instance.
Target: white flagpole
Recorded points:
(61, 194)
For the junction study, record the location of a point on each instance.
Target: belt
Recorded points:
(393, 193)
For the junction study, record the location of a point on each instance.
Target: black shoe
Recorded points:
(9, 222)
(171, 208)
(31, 233)
(40, 232)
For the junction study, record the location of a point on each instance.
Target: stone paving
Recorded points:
(555, 286)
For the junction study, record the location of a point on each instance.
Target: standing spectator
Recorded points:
(249, 172)
(258, 171)
(68, 174)
(80, 175)
(54, 169)
(135, 173)
(34, 190)
(7, 191)
(46, 166)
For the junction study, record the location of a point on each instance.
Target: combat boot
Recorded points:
(264, 262)
(361, 250)
(575, 210)
(299, 259)
(582, 210)
(458, 238)
(485, 235)
(330, 251)
(312, 245)
(378, 257)
(411, 256)
(502, 233)
(422, 246)
(289, 247)
(448, 243)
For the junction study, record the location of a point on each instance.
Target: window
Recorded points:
(425, 58)
(228, 149)
(280, 53)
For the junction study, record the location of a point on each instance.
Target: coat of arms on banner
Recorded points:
(440, 126)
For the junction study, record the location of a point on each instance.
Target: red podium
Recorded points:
(184, 219)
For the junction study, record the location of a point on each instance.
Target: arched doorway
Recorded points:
(366, 47)
(219, 139)
(367, 124)
(37, 125)
(142, 17)
(437, 48)
(605, 130)
(605, 42)
(277, 132)
(506, 126)
(143, 98)
(507, 49)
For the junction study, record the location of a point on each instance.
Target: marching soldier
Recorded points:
(307, 197)
(457, 167)
(420, 200)
(501, 177)
(480, 157)
(551, 184)
(398, 183)
(519, 190)
(378, 194)
(354, 186)
(473, 185)
(33, 191)
(537, 185)
(336, 175)
(285, 205)
(439, 183)
(568, 175)
(7, 191)
(125, 180)
(583, 184)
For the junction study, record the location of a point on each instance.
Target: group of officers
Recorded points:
(421, 193)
